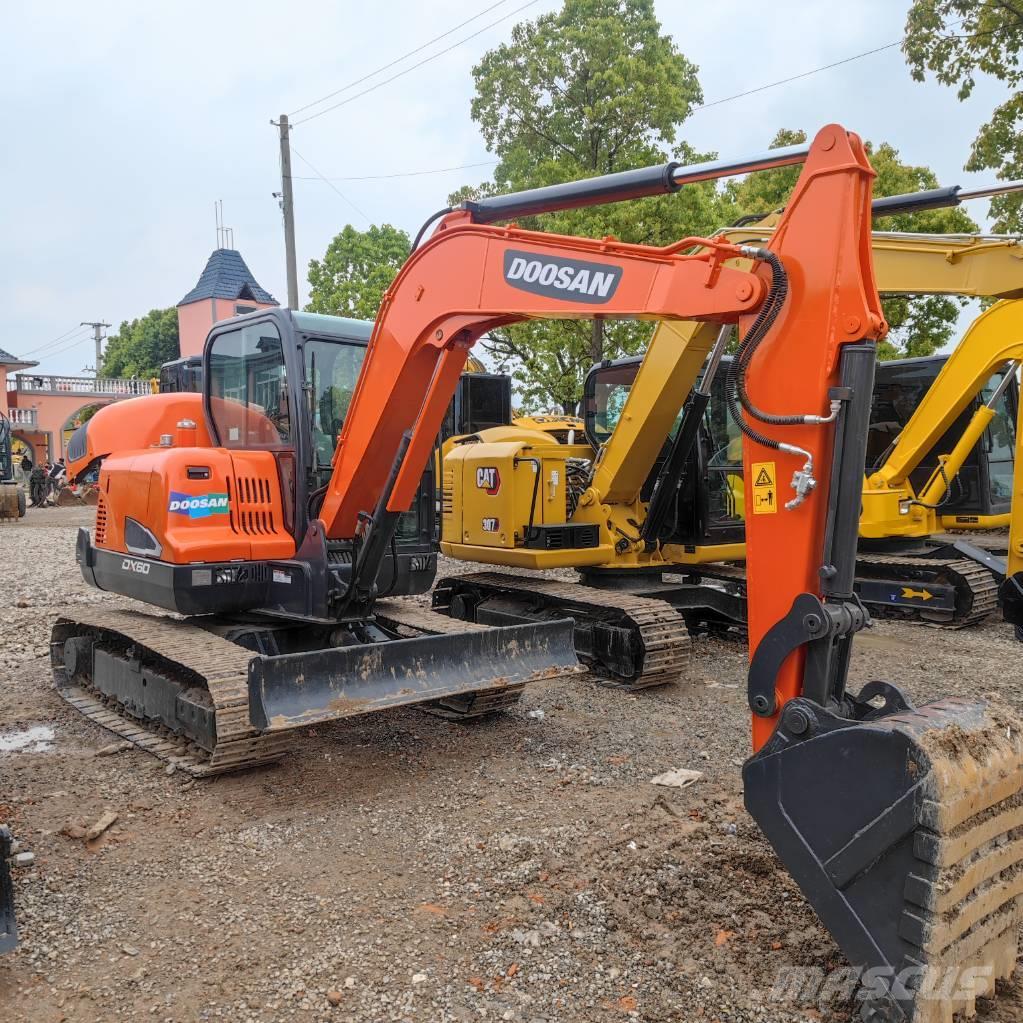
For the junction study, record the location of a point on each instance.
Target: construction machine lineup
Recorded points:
(941, 454)
(283, 509)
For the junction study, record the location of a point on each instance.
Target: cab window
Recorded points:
(331, 373)
(249, 403)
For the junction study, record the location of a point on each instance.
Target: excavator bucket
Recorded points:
(913, 856)
(294, 690)
(8, 926)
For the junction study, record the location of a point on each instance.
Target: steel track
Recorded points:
(659, 628)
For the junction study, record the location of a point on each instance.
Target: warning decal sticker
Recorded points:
(765, 491)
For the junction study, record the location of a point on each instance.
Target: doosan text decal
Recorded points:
(197, 506)
(573, 280)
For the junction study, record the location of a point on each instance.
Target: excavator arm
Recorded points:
(993, 343)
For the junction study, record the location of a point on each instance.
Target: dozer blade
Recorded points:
(295, 690)
(904, 829)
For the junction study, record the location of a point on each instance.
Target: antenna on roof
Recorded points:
(225, 235)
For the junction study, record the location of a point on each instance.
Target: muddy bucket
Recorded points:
(904, 829)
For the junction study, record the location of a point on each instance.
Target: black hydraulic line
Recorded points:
(538, 467)
(917, 202)
(429, 220)
(765, 319)
(665, 489)
(665, 493)
(631, 184)
(845, 496)
(379, 531)
(751, 342)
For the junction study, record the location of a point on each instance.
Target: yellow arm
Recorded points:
(993, 340)
(967, 265)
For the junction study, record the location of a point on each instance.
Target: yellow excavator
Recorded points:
(618, 508)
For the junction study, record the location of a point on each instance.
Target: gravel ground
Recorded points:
(400, 867)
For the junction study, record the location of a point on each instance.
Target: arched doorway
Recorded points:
(76, 419)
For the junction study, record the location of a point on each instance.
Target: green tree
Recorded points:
(141, 346)
(356, 270)
(957, 40)
(920, 324)
(591, 89)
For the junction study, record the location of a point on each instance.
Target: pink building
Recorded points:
(24, 422)
(225, 288)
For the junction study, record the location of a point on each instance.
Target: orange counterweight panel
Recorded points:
(201, 504)
(139, 423)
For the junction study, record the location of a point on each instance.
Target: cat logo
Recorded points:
(491, 525)
(488, 479)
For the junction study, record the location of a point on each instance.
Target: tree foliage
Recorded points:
(141, 346)
(957, 40)
(591, 89)
(919, 324)
(356, 270)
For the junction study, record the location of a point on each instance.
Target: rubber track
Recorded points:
(967, 576)
(220, 664)
(662, 630)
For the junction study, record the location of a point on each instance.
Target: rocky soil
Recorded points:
(401, 867)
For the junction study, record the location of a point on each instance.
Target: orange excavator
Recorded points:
(899, 824)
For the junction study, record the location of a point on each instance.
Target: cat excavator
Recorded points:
(894, 821)
(663, 495)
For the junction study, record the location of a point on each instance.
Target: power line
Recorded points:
(796, 78)
(67, 348)
(397, 60)
(327, 181)
(408, 70)
(806, 74)
(56, 340)
(403, 174)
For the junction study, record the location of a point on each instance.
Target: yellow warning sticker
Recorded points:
(765, 491)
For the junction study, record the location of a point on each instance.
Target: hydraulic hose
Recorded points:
(429, 220)
(735, 391)
(738, 399)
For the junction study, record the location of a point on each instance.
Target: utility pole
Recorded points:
(98, 335)
(288, 208)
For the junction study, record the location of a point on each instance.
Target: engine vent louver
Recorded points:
(250, 506)
(101, 521)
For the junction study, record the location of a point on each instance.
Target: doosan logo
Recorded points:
(197, 506)
(573, 280)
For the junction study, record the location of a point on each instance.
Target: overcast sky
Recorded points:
(127, 121)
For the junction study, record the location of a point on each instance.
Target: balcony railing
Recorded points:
(118, 387)
(22, 416)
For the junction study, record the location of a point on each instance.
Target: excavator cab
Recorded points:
(980, 495)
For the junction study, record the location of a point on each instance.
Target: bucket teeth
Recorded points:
(918, 871)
